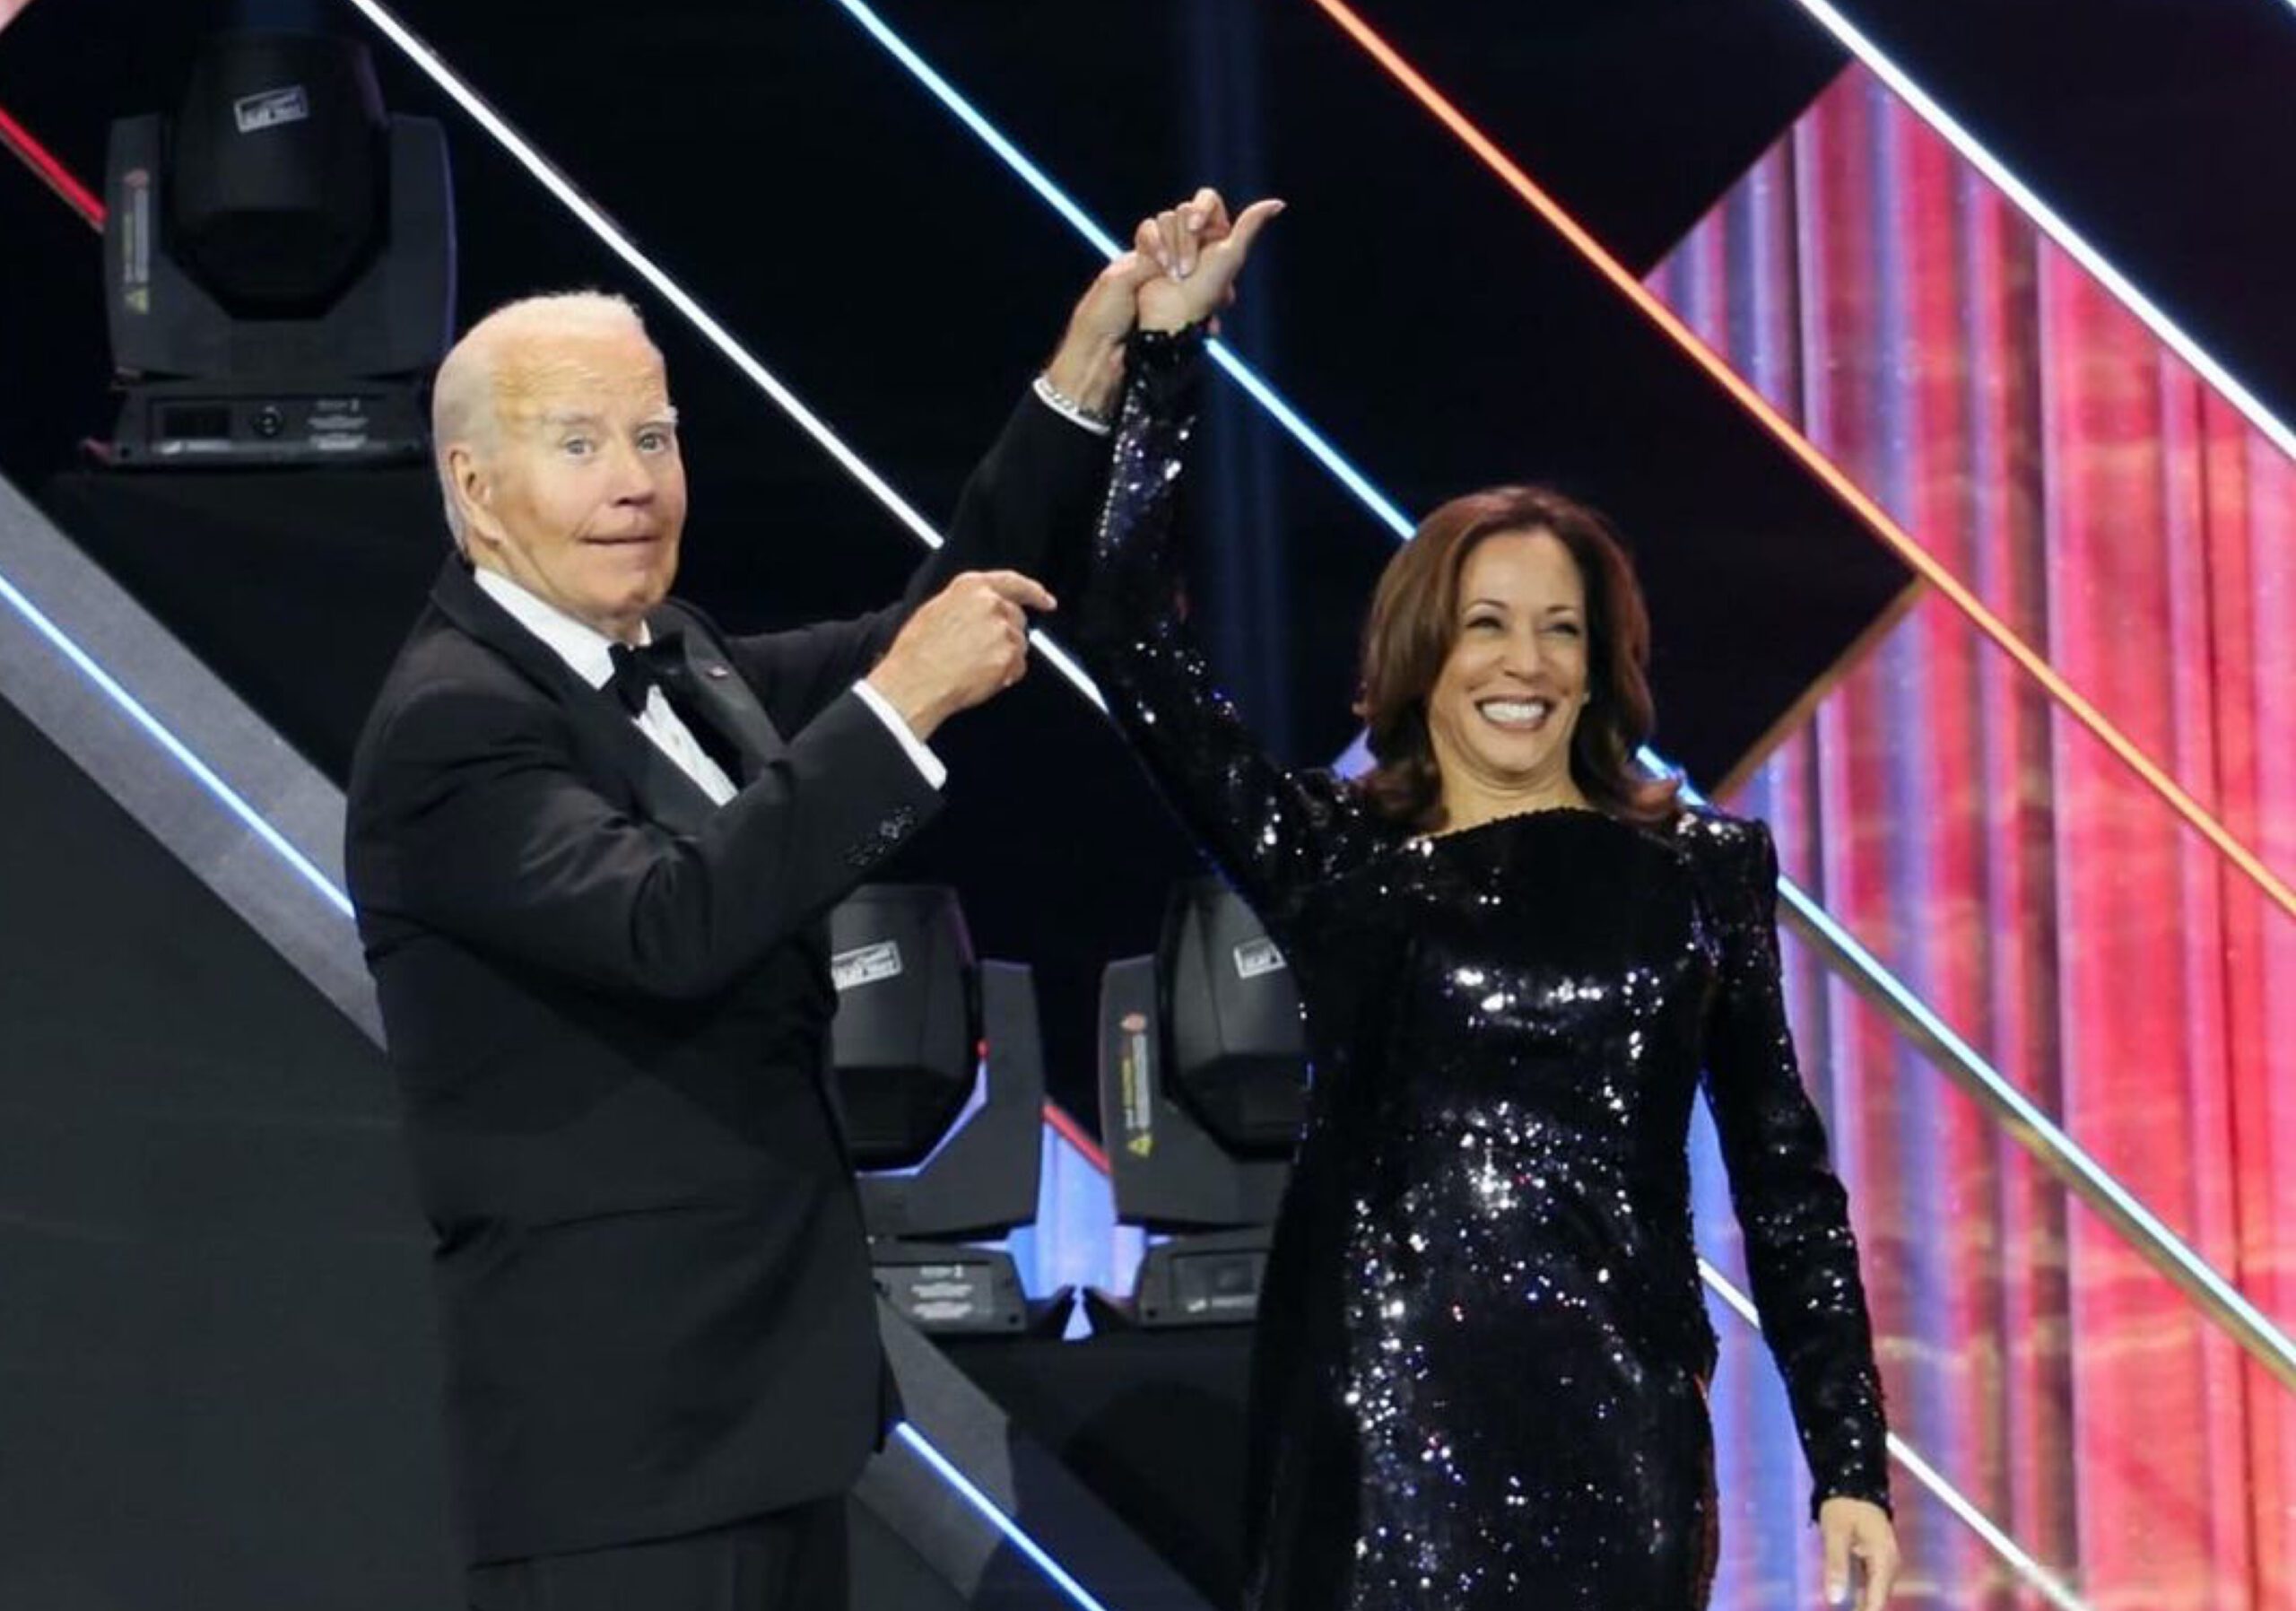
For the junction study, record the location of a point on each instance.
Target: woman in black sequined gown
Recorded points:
(1480, 1370)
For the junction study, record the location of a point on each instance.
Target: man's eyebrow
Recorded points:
(560, 418)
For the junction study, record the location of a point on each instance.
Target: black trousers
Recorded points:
(792, 1560)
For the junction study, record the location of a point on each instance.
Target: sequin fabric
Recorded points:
(1478, 1375)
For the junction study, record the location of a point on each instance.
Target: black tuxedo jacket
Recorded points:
(607, 1003)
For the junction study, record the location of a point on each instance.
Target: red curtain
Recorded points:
(2035, 437)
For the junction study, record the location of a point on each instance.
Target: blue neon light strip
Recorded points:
(1102, 242)
(1015, 1534)
(161, 734)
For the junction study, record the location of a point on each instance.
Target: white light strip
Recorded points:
(547, 174)
(1312, 439)
(987, 133)
(1082, 222)
(2034, 1573)
(206, 776)
(2054, 227)
(987, 1507)
(2260, 1330)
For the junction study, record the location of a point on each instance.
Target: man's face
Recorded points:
(580, 499)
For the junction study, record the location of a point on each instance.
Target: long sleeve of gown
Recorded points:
(1274, 832)
(1800, 1252)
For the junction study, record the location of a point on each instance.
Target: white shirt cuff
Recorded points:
(1065, 409)
(928, 763)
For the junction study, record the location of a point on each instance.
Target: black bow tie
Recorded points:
(636, 672)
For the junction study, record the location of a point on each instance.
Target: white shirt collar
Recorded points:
(580, 645)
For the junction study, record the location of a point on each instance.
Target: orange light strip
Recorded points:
(1891, 532)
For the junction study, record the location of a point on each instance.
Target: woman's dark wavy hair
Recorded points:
(1414, 621)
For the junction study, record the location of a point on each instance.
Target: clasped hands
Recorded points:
(968, 642)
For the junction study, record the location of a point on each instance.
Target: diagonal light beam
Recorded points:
(2046, 219)
(158, 731)
(1104, 243)
(547, 174)
(1015, 1534)
(49, 170)
(2063, 1157)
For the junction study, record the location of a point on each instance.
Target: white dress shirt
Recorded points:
(589, 653)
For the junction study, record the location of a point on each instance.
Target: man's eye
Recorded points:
(653, 442)
(577, 447)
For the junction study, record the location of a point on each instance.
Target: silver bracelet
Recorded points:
(1061, 403)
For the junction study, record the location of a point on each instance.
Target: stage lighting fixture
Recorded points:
(938, 1068)
(279, 256)
(1233, 1015)
(1202, 1088)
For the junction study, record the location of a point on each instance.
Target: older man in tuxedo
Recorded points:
(592, 842)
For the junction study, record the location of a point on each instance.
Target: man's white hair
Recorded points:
(464, 399)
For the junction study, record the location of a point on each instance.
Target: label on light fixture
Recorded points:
(270, 109)
(864, 965)
(1256, 957)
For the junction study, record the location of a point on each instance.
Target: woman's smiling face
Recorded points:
(1500, 715)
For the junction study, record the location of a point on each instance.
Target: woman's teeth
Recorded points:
(1515, 713)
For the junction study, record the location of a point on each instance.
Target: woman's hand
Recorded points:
(1855, 1529)
(1200, 250)
(1088, 366)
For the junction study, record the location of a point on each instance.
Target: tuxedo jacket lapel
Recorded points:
(720, 695)
(670, 797)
